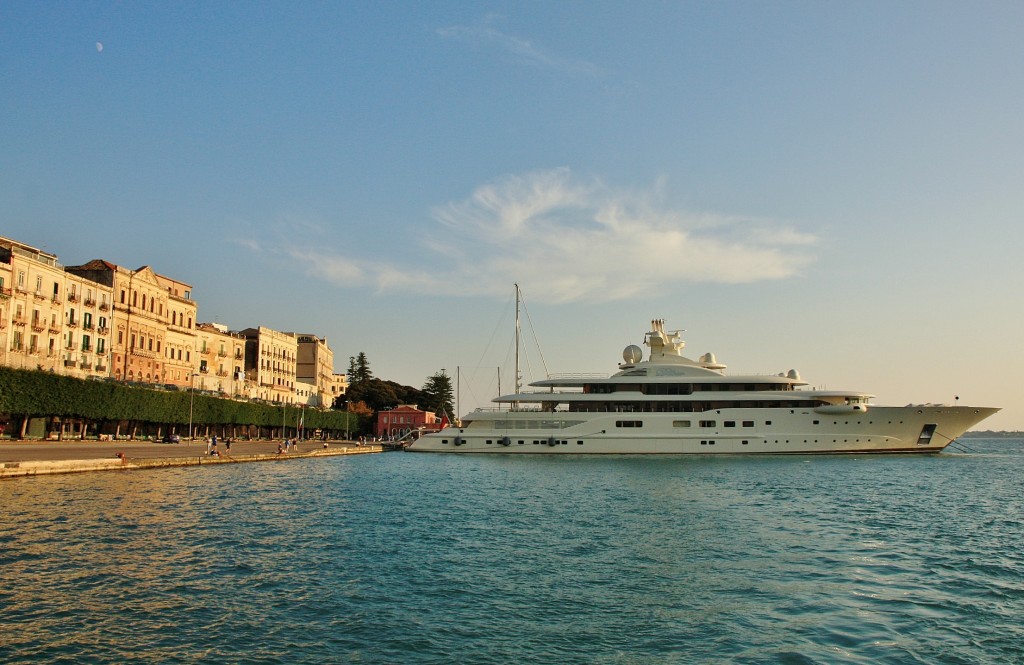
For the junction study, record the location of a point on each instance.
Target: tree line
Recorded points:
(93, 408)
(367, 395)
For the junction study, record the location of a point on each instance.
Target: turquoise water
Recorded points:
(416, 558)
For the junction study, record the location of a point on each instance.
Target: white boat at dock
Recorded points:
(671, 404)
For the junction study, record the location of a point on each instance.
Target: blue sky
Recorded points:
(833, 187)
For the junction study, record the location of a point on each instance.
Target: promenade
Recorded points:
(29, 458)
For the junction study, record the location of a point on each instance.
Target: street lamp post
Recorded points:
(191, 399)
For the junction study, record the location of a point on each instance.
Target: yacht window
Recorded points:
(680, 423)
(748, 423)
(730, 423)
(707, 423)
(629, 423)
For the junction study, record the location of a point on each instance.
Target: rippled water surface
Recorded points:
(403, 558)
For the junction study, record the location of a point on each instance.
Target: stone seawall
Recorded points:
(14, 469)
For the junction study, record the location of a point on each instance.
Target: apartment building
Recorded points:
(100, 319)
(141, 309)
(49, 320)
(180, 341)
(314, 370)
(270, 363)
(221, 361)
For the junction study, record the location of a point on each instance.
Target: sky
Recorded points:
(832, 187)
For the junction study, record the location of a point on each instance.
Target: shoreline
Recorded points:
(20, 459)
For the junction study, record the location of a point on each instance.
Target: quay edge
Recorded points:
(21, 469)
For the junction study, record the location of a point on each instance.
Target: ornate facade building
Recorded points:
(180, 322)
(139, 328)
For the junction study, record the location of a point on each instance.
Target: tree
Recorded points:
(437, 394)
(360, 369)
(375, 393)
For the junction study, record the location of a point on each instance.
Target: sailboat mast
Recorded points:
(518, 377)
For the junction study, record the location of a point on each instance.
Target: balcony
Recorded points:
(222, 373)
(16, 346)
(102, 330)
(88, 326)
(56, 300)
(39, 295)
(104, 307)
(89, 302)
(69, 362)
(38, 326)
(19, 320)
(72, 324)
(85, 365)
(101, 368)
(5, 292)
(54, 330)
(87, 349)
(72, 297)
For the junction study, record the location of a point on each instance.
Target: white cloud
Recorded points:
(522, 49)
(570, 240)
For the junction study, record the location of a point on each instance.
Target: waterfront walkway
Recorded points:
(30, 458)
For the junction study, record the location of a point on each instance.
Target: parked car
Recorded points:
(172, 438)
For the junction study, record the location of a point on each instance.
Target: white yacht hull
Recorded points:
(909, 429)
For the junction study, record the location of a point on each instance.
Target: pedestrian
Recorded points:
(227, 446)
(209, 443)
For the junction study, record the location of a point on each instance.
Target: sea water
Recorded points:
(419, 558)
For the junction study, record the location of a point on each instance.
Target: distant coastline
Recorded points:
(989, 434)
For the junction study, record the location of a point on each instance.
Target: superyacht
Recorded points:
(671, 404)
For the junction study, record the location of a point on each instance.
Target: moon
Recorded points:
(99, 47)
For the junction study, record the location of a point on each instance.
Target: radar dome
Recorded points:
(632, 354)
(793, 374)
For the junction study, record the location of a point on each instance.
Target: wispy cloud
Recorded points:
(574, 240)
(485, 35)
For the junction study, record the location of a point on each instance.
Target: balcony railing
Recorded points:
(89, 302)
(104, 307)
(69, 362)
(54, 329)
(103, 330)
(56, 300)
(72, 324)
(72, 297)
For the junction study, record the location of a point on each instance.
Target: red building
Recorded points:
(403, 419)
